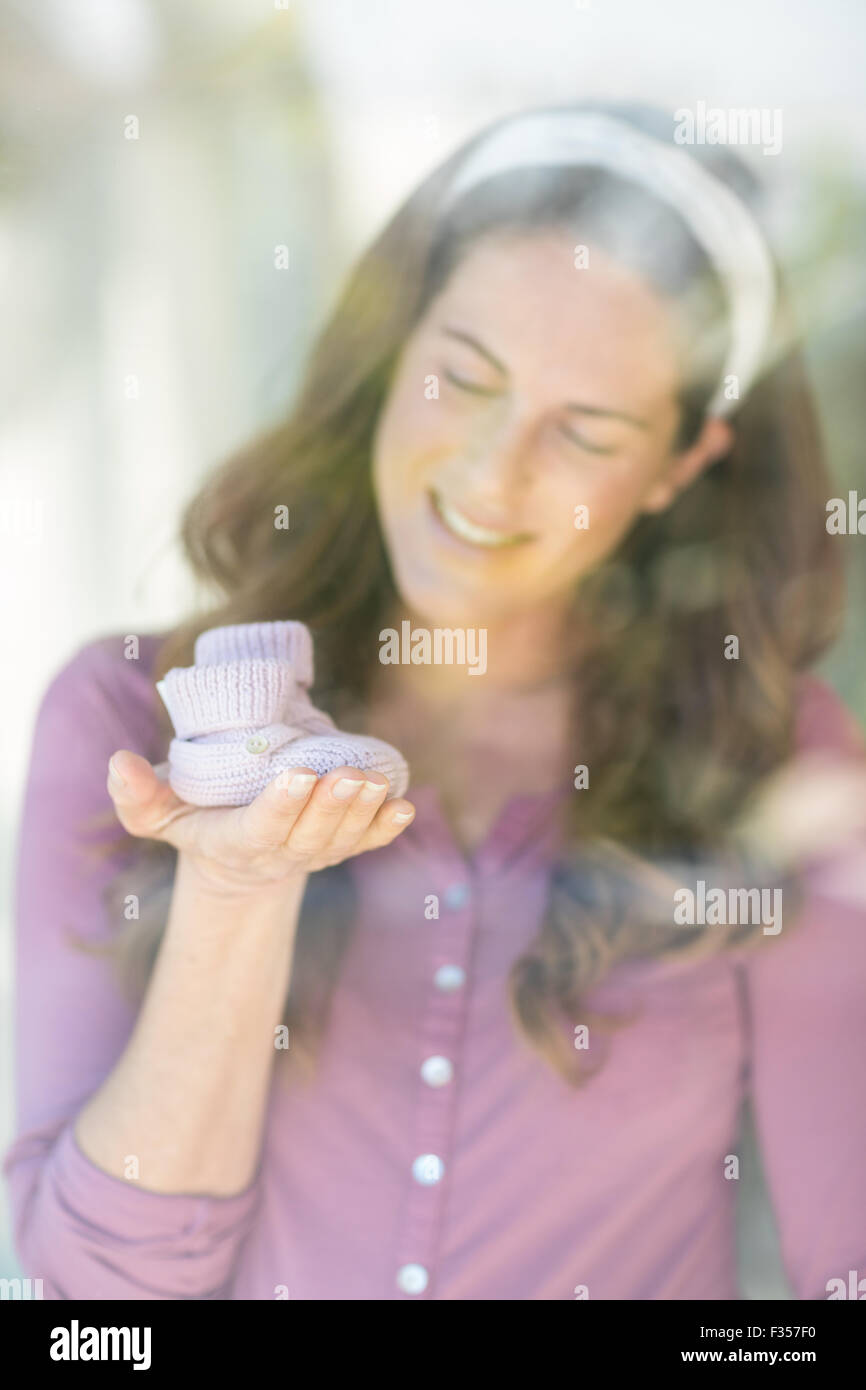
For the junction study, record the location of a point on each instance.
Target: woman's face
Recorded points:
(529, 390)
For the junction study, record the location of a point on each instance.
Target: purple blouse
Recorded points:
(435, 1155)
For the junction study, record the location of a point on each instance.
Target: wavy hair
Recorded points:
(678, 737)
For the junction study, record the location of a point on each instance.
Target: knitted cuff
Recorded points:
(286, 641)
(236, 695)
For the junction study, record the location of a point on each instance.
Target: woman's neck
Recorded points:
(483, 739)
(525, 653)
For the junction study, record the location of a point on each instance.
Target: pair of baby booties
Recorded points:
(242, 714)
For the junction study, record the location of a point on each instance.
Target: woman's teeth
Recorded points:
(467, 530)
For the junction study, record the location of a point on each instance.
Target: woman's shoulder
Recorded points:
(825, 724)
(106, 687)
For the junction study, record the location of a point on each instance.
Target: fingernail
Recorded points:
(117, 782)
(400, 817)
(295, 783)
(346, 787)
(370, 791)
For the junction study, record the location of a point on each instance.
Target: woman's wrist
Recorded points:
(210, 882)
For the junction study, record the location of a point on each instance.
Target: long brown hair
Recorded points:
(677, 737)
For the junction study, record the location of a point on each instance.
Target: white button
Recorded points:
(427, 1169)
(450, 977)
(258, 744)
(412, 1278)
(457, 895)
(437, 1071)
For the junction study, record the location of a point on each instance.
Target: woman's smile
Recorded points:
(459, 525)
(477, 486)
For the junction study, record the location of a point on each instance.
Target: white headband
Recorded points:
(721, 223)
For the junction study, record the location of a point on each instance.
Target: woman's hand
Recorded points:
(298, 824)
(812, 807)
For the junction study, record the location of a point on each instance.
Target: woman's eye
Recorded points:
(464, 383)
(586, 444)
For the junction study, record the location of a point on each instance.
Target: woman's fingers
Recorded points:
(310, 820)
(391, 820)
(332, 801)
(359, 815)
(147, 807)
(339, 817)
(267, 821)
(300, 811)
(370, 822)
(144, 802)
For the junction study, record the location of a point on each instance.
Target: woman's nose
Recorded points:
(497, 457)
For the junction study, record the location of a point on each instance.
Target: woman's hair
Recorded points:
(677, 736)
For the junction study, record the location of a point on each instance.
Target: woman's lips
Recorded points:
(470, 532)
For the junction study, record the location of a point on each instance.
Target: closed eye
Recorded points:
(582, 443)
(464, 384)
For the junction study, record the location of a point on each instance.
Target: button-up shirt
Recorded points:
(435, 1155)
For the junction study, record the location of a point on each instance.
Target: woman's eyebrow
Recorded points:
(575, 406)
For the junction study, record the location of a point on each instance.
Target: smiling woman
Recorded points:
(511, 445)
(512, 1071)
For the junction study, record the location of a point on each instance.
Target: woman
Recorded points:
(556, 406)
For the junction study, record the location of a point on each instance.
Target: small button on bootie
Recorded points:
(242, 715)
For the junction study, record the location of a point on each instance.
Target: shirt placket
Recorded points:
(438, 1063)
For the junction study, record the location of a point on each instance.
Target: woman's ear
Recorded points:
(713, 442)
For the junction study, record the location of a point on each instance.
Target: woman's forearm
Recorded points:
(187, 1097)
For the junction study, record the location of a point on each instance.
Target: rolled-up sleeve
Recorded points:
(89, 1235)
(85, 1233)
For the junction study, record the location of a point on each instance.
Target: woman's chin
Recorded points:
(444, 604)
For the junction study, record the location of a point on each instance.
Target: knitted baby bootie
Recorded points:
(242, 714)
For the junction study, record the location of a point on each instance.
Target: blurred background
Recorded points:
(185, 183)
